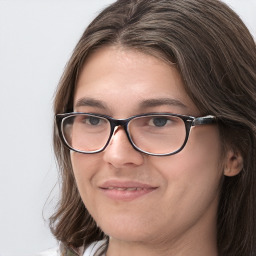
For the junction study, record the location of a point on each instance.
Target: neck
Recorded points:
(194, 247)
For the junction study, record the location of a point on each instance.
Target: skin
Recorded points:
(178, 217)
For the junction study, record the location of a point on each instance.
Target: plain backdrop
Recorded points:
(36, 40)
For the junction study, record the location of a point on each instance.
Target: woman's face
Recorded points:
(133, 196)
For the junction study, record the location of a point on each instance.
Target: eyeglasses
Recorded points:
(157, 134)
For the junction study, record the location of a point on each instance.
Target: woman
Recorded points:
(156, 133)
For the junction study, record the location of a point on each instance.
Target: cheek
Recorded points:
(202, 154)
(84, 168)
(195, 171)
(204, 151)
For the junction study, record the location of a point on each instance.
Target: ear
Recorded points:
(233, 164)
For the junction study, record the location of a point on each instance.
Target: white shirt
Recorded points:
(90, 251)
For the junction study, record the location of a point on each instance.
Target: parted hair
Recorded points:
(216, 57)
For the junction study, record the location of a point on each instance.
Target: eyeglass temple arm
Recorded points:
(204, 120)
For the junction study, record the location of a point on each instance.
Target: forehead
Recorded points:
(123, 77)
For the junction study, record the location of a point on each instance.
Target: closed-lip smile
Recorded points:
(125, 190)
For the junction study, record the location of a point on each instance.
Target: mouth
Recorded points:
(125, 191)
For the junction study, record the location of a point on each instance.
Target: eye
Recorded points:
(92, 123)
(92, 120)
(159, 121)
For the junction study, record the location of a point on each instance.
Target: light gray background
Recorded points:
(36, 39)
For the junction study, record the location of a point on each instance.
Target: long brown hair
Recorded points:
(216, 57)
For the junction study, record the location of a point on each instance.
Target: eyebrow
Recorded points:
(90, 102)
(160, 102)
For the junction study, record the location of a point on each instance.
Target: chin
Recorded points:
(126, 230)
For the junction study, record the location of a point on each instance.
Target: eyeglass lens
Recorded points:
(156, 134)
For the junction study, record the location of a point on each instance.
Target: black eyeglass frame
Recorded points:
(189, 122)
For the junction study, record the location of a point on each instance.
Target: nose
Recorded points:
(120, 153)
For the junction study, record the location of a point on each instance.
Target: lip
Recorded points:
(125, 190)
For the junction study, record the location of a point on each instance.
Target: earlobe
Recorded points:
(233, 164)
